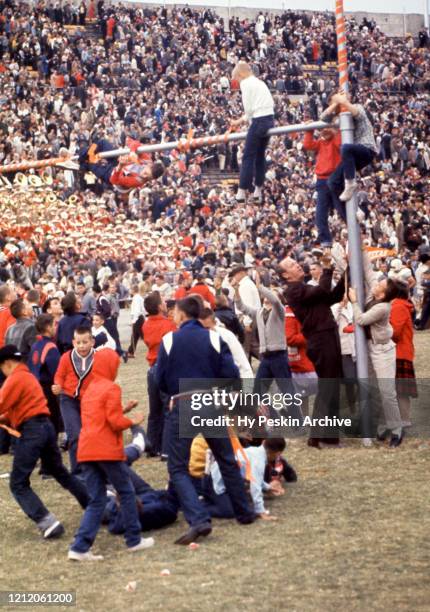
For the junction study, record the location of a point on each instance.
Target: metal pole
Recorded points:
(354, 238)
(426, 14)
(204, 141)
(183, 145)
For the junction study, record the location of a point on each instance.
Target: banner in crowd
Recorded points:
(375, 253)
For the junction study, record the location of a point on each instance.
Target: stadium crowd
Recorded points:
(74, 251)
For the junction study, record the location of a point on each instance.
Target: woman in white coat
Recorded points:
(382, 350)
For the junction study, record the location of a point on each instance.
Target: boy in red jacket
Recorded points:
(124, 173)
(156, 326)
(23, 406)
(327, 149)
(71, 379)
(101, 456)
(302, 368)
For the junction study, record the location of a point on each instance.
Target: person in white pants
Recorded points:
(382, 350)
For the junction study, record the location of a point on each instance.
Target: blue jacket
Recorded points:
(66, 329)
(43, 360)
(192, 352)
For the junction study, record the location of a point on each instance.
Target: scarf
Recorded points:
(82, 367)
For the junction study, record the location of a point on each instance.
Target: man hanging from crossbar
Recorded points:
(124, 173)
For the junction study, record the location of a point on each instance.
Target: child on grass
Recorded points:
(102, 458)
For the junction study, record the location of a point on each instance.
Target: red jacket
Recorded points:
(205, 292)
(102, 414)
(403, 331)
(328, 153)
(153, 330)
(66, 378)
(296, 342)
(6, 320)
(180, 293)
(22, 397)
(126, 180)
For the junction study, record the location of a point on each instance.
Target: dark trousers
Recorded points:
(355, 157)
(97, 474)
(276, 367)
(102, 170)
(54, 407)
(39, 441)
(325, 203)
(425, 312)
(158, 407)
(136, 334)
(218, 506)
(71, 413)
(179, 456)
(4, 442)
(254, 154)
(323, 350)
(111, 325)
(349, 371)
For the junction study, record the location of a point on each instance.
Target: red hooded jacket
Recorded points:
(403, 331)
(296, 342)
(21, 397)
(102, 415)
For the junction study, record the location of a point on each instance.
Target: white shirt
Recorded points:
(110, 343)
(239, 356)
(165, 290)
(249, 295)
(137, 309)
(256, 97)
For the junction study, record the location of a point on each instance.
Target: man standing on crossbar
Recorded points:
(259, 111)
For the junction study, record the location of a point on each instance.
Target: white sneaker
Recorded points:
(258, 194)
(73, 555)
(367, 442)
(138, 439)
(240, 195)
(348, 192)
(50, 527)
(144, 543)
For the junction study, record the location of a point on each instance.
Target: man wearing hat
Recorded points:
(23, 407)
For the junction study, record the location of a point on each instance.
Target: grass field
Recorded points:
(352, 534)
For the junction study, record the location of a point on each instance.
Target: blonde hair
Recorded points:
(241, 70)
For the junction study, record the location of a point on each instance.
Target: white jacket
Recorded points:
(239, 356)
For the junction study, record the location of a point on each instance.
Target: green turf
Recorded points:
(352, 534)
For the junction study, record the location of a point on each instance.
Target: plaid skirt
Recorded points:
(406, 384)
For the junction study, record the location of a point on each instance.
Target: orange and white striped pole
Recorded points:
(354, 237)
(342, 53)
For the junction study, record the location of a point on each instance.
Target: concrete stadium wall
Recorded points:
(391, 24)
